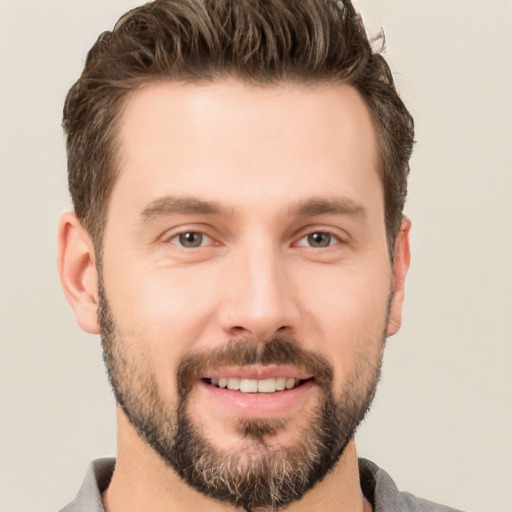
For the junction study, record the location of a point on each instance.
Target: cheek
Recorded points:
(346, 296)
(347, 312)
(166, 309)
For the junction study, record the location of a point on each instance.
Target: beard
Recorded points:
(258, 474)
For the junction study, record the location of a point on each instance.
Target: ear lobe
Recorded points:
(400, 267)
(77, 269)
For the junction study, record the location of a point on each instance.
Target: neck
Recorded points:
(142, 481)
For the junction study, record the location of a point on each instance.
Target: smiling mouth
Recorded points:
(271, 385)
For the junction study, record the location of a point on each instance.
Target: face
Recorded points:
(245, 286)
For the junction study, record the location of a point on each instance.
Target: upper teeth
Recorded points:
(254, 385)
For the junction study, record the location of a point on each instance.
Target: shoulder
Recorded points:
(382, 492)
(96, 480)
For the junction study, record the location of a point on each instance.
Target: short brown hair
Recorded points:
(255, 41)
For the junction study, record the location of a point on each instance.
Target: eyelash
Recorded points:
(332, 240)
(179, 239)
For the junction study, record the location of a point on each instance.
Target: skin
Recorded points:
(257, 153)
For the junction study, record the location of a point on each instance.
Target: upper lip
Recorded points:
(257, 372)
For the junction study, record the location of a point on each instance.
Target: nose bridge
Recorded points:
(262, 300)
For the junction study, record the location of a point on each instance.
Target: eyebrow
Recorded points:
(169, 205)
(312, 207)
(324, 206)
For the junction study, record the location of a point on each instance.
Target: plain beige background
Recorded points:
(442, 421)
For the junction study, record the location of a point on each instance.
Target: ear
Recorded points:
(400, 268)
(77, 268)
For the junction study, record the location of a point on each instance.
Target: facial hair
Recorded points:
(256, 476)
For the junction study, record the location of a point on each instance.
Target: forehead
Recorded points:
(227, 140)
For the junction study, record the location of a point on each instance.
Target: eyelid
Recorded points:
(339, 235)
(206, 240)
(174, 233)
(306, 236)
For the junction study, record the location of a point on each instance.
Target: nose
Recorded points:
(260, 299)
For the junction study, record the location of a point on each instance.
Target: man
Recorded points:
(238, 174)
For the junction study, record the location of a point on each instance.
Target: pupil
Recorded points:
(319, 239)
(191, 239)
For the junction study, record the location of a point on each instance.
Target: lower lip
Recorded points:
(259, 405)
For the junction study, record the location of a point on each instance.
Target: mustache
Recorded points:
(276, 351)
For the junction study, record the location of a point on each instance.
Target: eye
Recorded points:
(318, 240)
(191, 239)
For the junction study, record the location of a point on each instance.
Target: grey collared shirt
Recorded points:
(377, 486)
